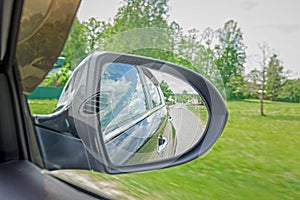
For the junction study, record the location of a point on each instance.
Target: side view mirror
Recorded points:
(126, 113)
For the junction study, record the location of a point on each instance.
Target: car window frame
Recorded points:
(146, 88)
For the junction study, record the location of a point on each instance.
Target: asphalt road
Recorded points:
(189, 127)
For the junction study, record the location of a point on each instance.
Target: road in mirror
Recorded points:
(147, 115)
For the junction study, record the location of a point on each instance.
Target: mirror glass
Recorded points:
(147, 115)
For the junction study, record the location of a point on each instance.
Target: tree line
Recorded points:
(143, 27)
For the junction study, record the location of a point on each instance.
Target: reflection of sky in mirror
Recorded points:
(175, 84)
(123, 95)
(113, 85)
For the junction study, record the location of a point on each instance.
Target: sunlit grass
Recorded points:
(42, 106)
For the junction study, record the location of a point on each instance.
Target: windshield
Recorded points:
(247, 49)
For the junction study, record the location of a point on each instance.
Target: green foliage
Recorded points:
(94, 32)
(183, 97)
(290, 91)
(139, 27)
(252, 83)
(58, 79)
(140, 14)
(272, 78)
(275, 77)
(217, 55)
(230, 58)
(168, 93)
(236, 87)
(76, 44)
(142, 27)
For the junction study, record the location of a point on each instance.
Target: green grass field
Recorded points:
(38, 106)
(255, 158)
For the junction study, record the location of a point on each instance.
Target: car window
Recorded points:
(152, 89)
(121, 95)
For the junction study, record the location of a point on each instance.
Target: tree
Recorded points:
(60, 78)
(75, 48)
(141, 13)
(230, 57)
(198, 49)
(236, 87)
(183, 97)
(168, 93)
(141, 27)
(94, 29)
(264, 59)
(253, 83)
(290, 91)
(274, 77)
(189, 44)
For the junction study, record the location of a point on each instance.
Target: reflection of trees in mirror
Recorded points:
(167, 92)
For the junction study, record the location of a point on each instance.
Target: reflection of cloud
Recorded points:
(249, 5)
(284, 28)
(114, 90)
(122, 95)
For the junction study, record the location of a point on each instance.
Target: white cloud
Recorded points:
(249, 5)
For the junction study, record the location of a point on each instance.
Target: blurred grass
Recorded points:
(255, 158)
(42, 106)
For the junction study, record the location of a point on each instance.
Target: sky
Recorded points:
(276, 23)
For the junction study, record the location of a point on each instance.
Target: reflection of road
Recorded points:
(188, 127)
